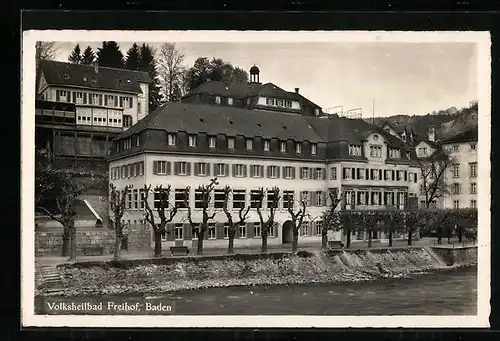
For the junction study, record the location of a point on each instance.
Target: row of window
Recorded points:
(349, 173)
(102, 121)
(376, 151)
(80, 97)
(273, 102)
(472, 170)
(456, 204)
(212, 143)
(456, 188)
(455, 148)
(126, 171)
(375, 198)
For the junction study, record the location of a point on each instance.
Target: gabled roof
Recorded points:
(417, 139)
(215, 119)
(69, 74)
(467, 136)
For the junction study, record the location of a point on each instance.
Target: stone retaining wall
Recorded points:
(458, 255)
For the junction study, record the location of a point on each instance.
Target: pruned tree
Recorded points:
(465, 220)
(371, 221)
(297, 219)
(206, 193)
(392, 222)
(171, 71)
(117, 201)
(265, 225)
(76, 55)
(232, 226)
(56, 193)
(331, 217)
(350, 221)
(162, 197)
(432, 176)
(413, 221)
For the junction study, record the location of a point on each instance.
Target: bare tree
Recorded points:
(242, 216)
(432, 176)
(117, 203)
(206, 191)
(265, 225)
(163, 196)
(171, 71)
(45, 50)
(297, 220)
(331, 217)
(392, 222)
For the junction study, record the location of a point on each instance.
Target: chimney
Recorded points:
(296, 90)
(96, 67)
(431, 134)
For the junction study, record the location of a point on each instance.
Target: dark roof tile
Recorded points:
(467, 136)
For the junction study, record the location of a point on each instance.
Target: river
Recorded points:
(442, 293)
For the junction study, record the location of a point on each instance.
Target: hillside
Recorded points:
(447, 122)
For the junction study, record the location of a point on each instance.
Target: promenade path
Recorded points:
(207, 251)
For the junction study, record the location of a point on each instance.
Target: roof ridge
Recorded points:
(91, 66)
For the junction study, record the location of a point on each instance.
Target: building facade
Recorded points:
(261, 142)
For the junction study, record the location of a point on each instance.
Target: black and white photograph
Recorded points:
(256, 179)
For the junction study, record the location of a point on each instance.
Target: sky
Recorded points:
(382, 78)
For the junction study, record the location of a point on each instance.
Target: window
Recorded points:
(211, 141)
(229, 101)
(473, 203)
(456, 170)
(270, 101)
(162, 167)
(456, 203)
(226, 231)
(267, 145)
(249, 144)
(298, 147)
(473, 169)
(136, 199)
(422, 151)
(178, 235)
(217, 99)
(318, 227)
(243, 230)
(272, 172)
(349, 198)
(320, 199)
(141, 191)
(455, 188)
(394, 153)
(288, 103)
(219, 197)
(238, 170)
(238, 198)
(314, 149)
(287, 198)
(211, 231)
(270, 200)
(139, 110)
(256, 171)
(198, 199)
(180, 195)
(375, 151)
(201, 168)
(255, 199)
(354, 150)
(333, 173)
(288, 172)
(126, 102)
(376, 198)
(95, 99)
(304, 197)
(256, 230)
(127, 144)
(318, 173)
(230, 142)
(473, 188)
(283, 146)
(408, 155)
(454, 148)
(137, 141)
(182, 168)
(279, 102)
(346, 173)
(360, 173)
(171, 139)
(220, 169)
(270, 230)
(375, 174)
(304, 173)
(304, 228)
(473, 146)
(129, 199)
(192, 140)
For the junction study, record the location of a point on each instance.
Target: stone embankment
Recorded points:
(189, 273)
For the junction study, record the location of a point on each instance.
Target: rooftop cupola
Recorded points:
(254, 74)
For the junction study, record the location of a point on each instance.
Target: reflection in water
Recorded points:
(451, 293)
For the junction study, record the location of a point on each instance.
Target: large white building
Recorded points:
(259, 135)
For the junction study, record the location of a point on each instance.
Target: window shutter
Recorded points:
(85, 98)
(168, 168)
(197, 168)
(371, 174)
(131, 102)
(324, 173)
(74, 96)
(116, 101)
(176, 167)
(406, 176)
(187, 231)
(300, 172)
(121, 101)
(155, 167)
(91, 99)
(283, 171)
(353, 173)
(323, 198)
(250, 230)
(237, 232)
(226, 169)
(245, 171)
(208, 168)
(268, 168)
(293, 172)
(343, 173)
(314, 175)
(100, 99)
(367, 198)
(367, 174)
(309, 229)
(188, 168)
(58, 95)
(277, 172)
(276, 226)
(415, 177)
(311, 198)
(310, 172)
(251, 171)
(215, 169)
(170, 232)
(261, 171)
(105, 100)
(233, 169)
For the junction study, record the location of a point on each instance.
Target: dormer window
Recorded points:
(230, 142)
(249, 144)
(192, 140)
(314, 149)
(283, 146)
(267, 145)
(137, 141)
(270, 101)
(230, 101)
(354, 150)
(66, 76)
(279, 102)
(298, 147)
(394, 153)
(171, 139)
(211, 141)
(376, 151)
(316, 112)
(217, 99)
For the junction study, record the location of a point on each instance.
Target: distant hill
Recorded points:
(447, 122)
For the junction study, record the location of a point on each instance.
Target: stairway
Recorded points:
(52, 279)
(438, 259)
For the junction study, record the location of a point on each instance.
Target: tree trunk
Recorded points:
(264, 242)
(370, 238)
(65, 244)
(440, 240)
(324, 239)
(201, 235)
(157, 243)
(230, 248)
(72, 236)
(460, 234)
(118, 246)
(410, 236)
(348, 239)
(295, 243)
(390, 238)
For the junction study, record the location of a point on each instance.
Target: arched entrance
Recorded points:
(287, 232)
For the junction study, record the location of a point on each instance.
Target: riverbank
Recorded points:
(163, 275)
